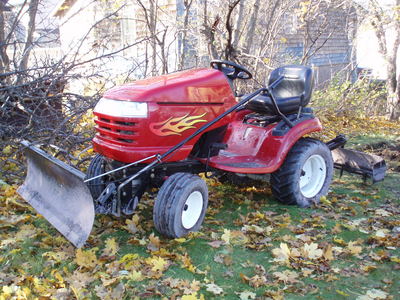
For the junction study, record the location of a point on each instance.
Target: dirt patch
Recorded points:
(389, 151)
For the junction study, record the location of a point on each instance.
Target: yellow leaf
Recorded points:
(339, 241)
(325, 201)
(180, 240)
(136, 276)
(286, 276)
(353, 249)
(368, 268)
(7, 292)
(187, 262)
(57, 276)
(26, 231)
(7, 150)
(342, 293)
(192, 296)
(226, 237)
(395, 259)
(157, 263)
(129, 257)
(58, 257)
(282, 253)
(311, 251)
(86, 258)
(328, 252)
(111, 247)
(154, 243)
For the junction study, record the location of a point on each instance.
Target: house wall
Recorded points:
(332, 49)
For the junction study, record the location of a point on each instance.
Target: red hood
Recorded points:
(197, 85)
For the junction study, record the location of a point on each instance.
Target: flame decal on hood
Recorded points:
(174, 126)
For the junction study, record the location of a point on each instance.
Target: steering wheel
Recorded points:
(231, 70)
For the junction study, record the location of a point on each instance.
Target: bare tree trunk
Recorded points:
(393, 81)
(209, 31)
(152, 27)
(229, 49)
(239, 24)
(352, 24)
(164, 58)
(390, 56)
(33, 8)
(252, 26)
(5, 61)
(185, 30)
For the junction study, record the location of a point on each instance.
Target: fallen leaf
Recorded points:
(246, 295)
(286, 276)
(226, 236)
(154, 244)
(353, 249)
(215, 289)
(86, 258)
(157, 263)
(373, 294)
(216, 244)
(311, 251)
(282, 253)
(382, 213)
(328, 252)
(111, 247)
(80, 280)
(192, 297)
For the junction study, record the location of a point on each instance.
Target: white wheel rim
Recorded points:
(192, 209)
(313, 176)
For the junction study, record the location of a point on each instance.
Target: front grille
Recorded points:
(118, 131)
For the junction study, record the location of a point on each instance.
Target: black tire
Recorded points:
(170, 208)
(287, 180)
(96, 167)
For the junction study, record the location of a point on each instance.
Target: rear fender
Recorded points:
(276, 148)
(258, 150)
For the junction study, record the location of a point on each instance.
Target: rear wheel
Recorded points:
(181, 205)
(305, 175)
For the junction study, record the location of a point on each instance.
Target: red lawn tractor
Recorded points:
(163, 131)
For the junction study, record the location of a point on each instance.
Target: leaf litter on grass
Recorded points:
(348, 247)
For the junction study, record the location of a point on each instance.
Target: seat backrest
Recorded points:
(298, 82)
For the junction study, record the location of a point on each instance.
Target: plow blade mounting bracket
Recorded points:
(57, 191)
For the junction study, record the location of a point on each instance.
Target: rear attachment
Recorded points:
(357, 162)
(57, 191)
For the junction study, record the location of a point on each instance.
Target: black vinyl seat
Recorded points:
(293, 92)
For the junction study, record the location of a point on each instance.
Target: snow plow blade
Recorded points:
(57, 191)
(367, 165)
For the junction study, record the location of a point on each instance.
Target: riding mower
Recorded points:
(163, 131)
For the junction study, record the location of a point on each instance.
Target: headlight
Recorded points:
(119, 108)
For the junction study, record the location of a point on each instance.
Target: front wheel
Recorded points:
(305, 175)
(181, 205)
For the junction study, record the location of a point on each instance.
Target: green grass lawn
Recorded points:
(250, 247)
